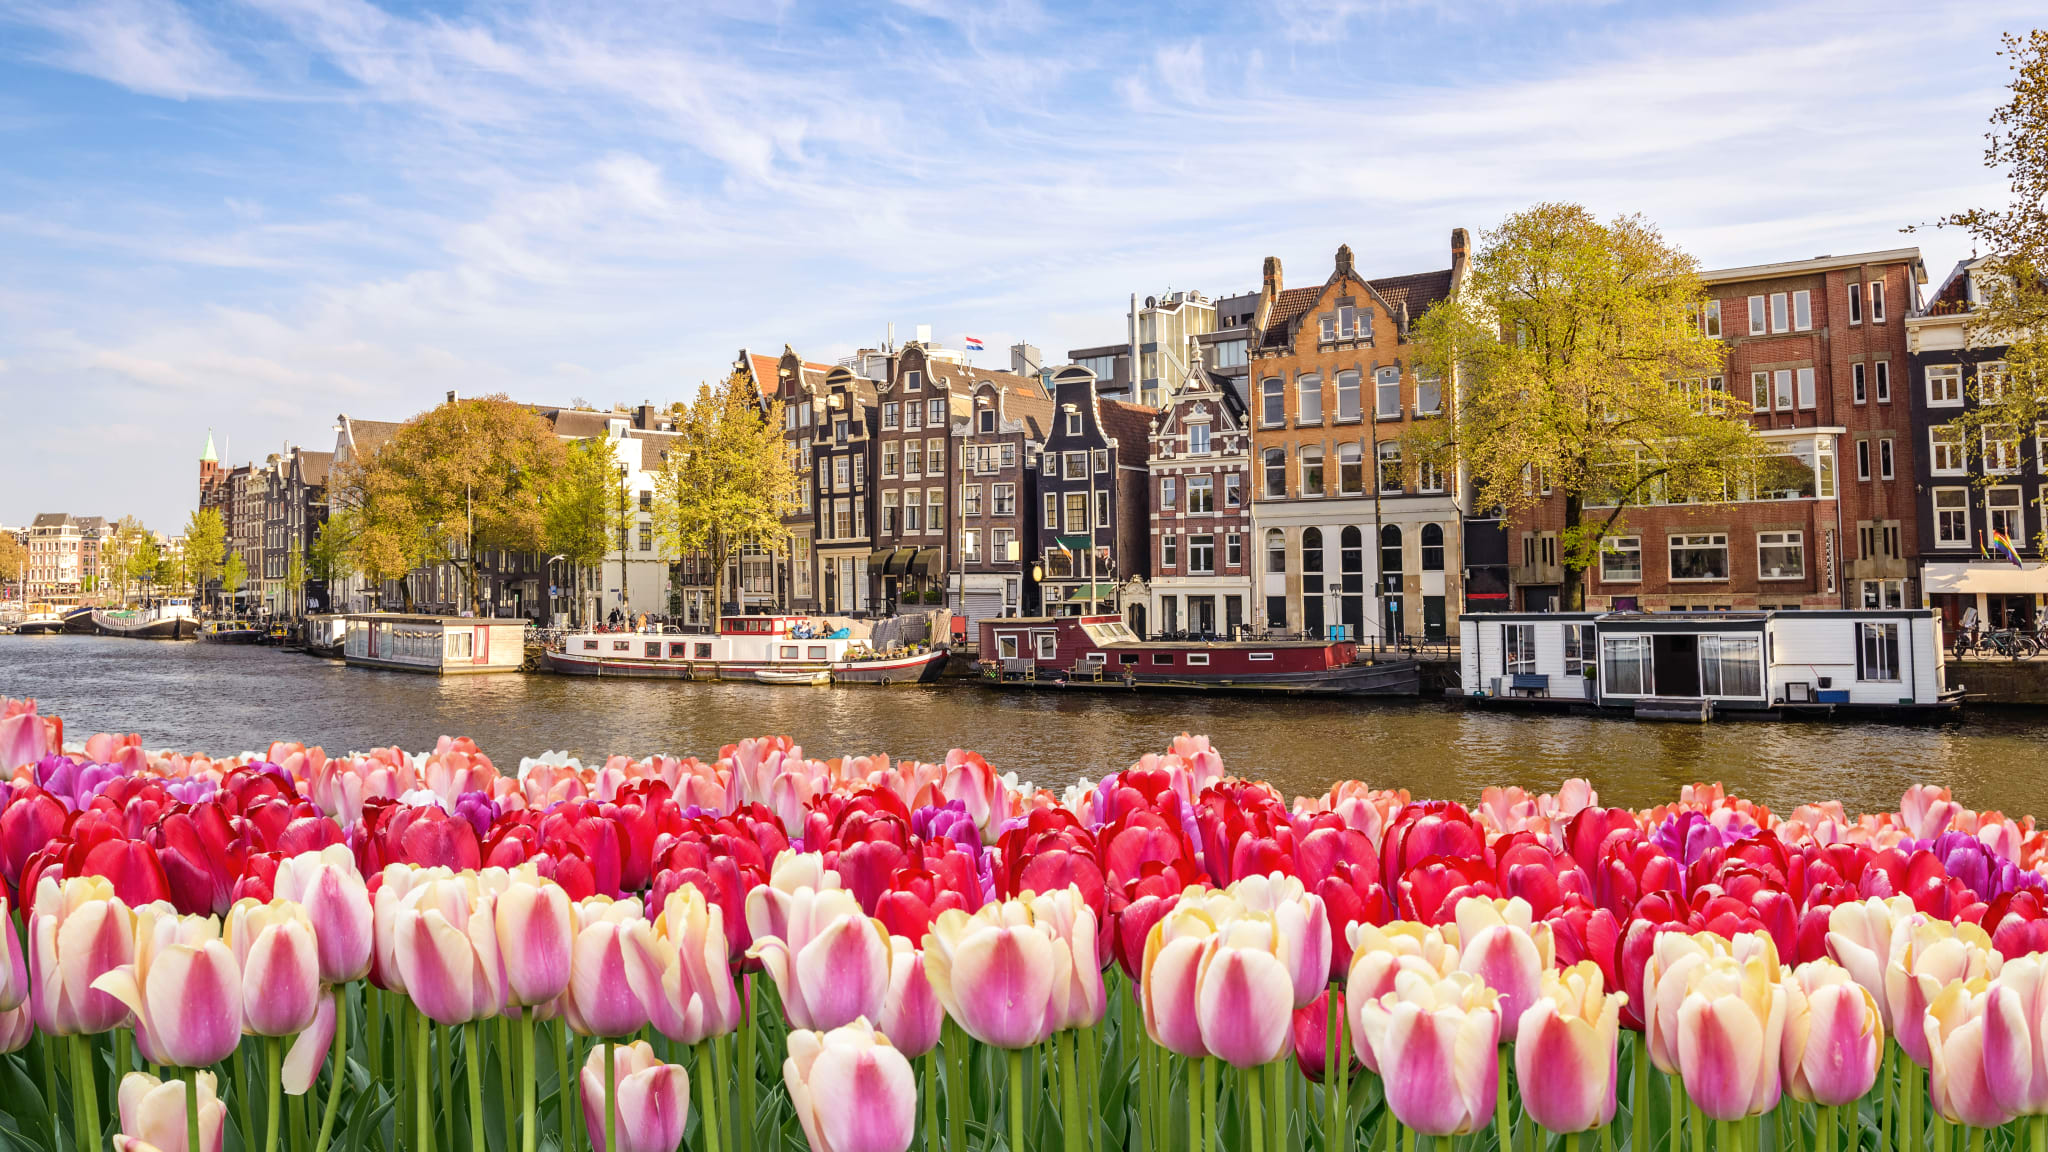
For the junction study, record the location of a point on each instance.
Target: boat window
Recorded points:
(654, 648)
(703, 651)
(678, 650)
(1625, 666)
(1127, 657)
(1006, 647)
(817, 652)
(1259, 656)
(1162, 657)
(1877, 652)
(1047, 645)
(1198, 657)
(1518, 649)
(789, 651)
(622, 645)
(590, 645)
(1731, 666)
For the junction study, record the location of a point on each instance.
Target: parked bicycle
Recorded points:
(2008, 642)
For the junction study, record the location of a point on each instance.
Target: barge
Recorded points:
(798, 650)
(170, 620)
(1083, 653)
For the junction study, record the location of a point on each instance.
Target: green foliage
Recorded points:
(205, 544)
(233, 574)
(328, 559)
(728, 480)
(579, 506)
(13, 558)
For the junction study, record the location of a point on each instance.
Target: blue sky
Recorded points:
(252, 215)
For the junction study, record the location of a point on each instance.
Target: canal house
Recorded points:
(1696, 664)
(441, 645)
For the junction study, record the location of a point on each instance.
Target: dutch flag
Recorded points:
(973, 343)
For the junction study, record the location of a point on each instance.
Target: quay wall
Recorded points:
(2001, 681)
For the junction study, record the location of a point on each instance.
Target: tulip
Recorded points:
(153, 1115)
(14, 987)
(447, 956)
(1958, 1084)
(1730, 1036)
(1244, 995)
(912, 1017)
(1860, 940)
(1434, 1041)
(768, 905)
(17, 1025)
(184, 988)
(614, 969)
(1002, 977)
(1378, 955)
(2016, 1036)
(1167, 984)
(650, 1099)
(832, 966)
(1834, 1036)
(535, 932)
(280, 961)
(1926, 956)
(696, 999)
(852, 1089)
(1303, 923)
(79, 931)
(1566, 1057)
(1073, 924)
(327, 885)
(1498, 944)
(302, 1061)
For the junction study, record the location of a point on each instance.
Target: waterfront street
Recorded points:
(225, 699)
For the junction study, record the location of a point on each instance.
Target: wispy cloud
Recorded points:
(148, 46)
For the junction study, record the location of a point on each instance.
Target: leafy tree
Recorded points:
(120, 548)
(170, 571)
(295, 575)
(582, 505)
(729, 478)
(2013, 279)
(328, 558)
(1583, 371)
(205, 543)
(140, 562)
(13, 559)
(233, 575)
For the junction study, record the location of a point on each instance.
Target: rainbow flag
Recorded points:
(2000, 542)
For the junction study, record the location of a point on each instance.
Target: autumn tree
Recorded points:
(2011, 312)
(581, 521)
(456, 481)
(205, 542)
(119, 549)
(295, 576)
(1581, 370)
(728, 480)
(13, 559)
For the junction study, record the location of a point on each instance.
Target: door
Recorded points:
(1202, 614)
(1675, 665)
(1233, 615)
(1312, 614)
(1433, 618)
(1135, 617)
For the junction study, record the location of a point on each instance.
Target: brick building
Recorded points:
(1201, 477)
(997, 447)
(1093, 489)
(843, 435)
(799, 386)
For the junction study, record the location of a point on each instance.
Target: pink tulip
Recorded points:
(1303, 924)
(1860, 940)
(1834, 1035)
(308, 1053)
(1073, 924)
(912, 1017)
(400, 888)
(153, 1115)
(614, 969)
(832, 966)
(1244, 994)
(695, 999)
(1957, 1081)
(853, 1090)
(1565, 1059)
(79, 931)
(1926, 956)
(13, 964)
(17, 1025)
(1167, 987)
(1003, 977)
(535, 930)
(1730, 1037)
(650, 1099)
(1378, 954)
(337, 903)
(446, 953)
(1435, 1041)
(768, 905)
(2016, 1036)
(1498, 943)
(280, 961)
(184, 988)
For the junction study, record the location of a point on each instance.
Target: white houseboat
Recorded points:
(1694, 665)
(170, 619)
(441, 645)
(768, 649)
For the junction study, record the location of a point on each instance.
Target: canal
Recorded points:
(212, 698)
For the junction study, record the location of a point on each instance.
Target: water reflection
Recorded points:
(213, 698)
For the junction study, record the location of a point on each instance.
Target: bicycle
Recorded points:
(2011, 643)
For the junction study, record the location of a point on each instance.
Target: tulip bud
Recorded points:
(535, 935)
(832, 966)
(1953, 1034)
(1834, 1035)
(1003, 978)
(13, 964)
(1730, 1036)
(153, 1114)
(650, 1099)
(853, 1091)
(1926, 956)
(327, 885)
(78, 932)
(2015, 1033)
(1244, 995)
(1565, 1057)
(280, 961)
(912, 1016)
(184, 988)
(1498, 943)
(1435, 1041)
(695, 999)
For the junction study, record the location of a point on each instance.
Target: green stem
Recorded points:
(529, 1137)
(1063, 1045)
(1255, 1105)
(931, 1101)
(1343, 1137)
(1677, 1119)
(1330, 1066)
(1639, 1100)
(472, 1051)
(2041, 1134)
(1147, 1094)
(748, 1109)
(714, 1124)
(1209, 1126)
(1571, 1142)
(191, 1108)
(295, 1122)
(1890, 1089)
(1698, 1124)
(46, 1047)
(273, 1065)
(569, 1099)
(957, 1102)
(1730, 1136)
(238, 1074)
(1503, 1116)
(88, 1095)
(611, 1108)
(373, 1032)
(338, 1072)
(507, 1056)
(1194, 1082)
(422, 1119)
(1016, 1112)
(1091, 1080)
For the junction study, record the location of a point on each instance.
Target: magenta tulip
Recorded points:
(1498, 943)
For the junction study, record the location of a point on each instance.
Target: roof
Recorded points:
(1288, 306)
(314, 466)
(1910, 256)
(577, 424)
(1417, 290)
(209, 456)
(366, 436)
(51, 519)
(763, 370)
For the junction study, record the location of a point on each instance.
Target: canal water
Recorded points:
(214, 698)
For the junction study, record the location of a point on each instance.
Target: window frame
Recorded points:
(1622, 546)
(1781, 540)
(1964, 507)
(1951, 376)
(1709, 542)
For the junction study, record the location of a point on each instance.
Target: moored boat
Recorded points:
(78, 621)
(170, 620)
(230, 632)
(1101, 652)
(39, 620)
(763, 649)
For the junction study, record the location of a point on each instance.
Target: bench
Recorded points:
(1528, 684)
(1021, 669)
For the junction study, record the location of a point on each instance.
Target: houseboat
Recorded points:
(766, 649)
(1697, 665)
(39, 620)
(325, 635)
(438, 645)
(1101, 652)
(78, 621)
(170, 619)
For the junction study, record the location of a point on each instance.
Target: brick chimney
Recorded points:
(1272, 287)
(1460, 252)
(1344, 267)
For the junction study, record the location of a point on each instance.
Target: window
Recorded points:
(1390, 552)
(1877, 648)
(1625, 664)
(970, 500)
(1802, 311)
(1169, 550)
(1390, 466)
(1990, 384)
(1710, 318)
(1201, 495)
(1760, 391)
(1804, 387)
(913, 417)
(1352, 322)
(1883, 375)
(1877, 301)
(2001, 449)
(1229, 354)
(1201, 554)
(1756, 315)
(913, 512)
(1855, 303)
(1863, 459)
(1276, 472)
(1233, 551)
(913, 459)
(1856, 382)
(985, 421)
(1167, 486)
(1308, 404)
(841, 429)
(1276, 553)
(2003, 513)
(1048, 645)
(1272, 402)
(1312, 471)
(1052, 510)
(1428, 477)
(840, 470)
(1102, 459)
(1328, 327)
(1621, 560)
(1782, 379)
(1009, 455)
(1731, 666)
(1780, 555)
(935, 412)
(912, 381)
(1578, 648)
(1518, 649)
(860, 470)
(1350, 469)
(1073, 423)
(935, 510)
(889, 415)
(1952, 517)
(1077, 513)
(935, 456)
(1944, 451)
(1074, 465)
(842, 519)
(1884, 593)
(1002, 545)
(1780, 313)
(1945, 386)
(1386, 386)
(1232, 496)
(1432, 547)
(1429, 395)
(1198, 439)
(1884, 458)
(646, 538)
(1347, 395)
(646, 500)
(1101, 509)
(1699, 557)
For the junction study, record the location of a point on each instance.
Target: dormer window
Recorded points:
(912, 381)
(986, 420)
(1073, 422)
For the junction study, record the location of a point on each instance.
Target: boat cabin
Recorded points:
(441, 645)
(1086, 644)
(1699, 663)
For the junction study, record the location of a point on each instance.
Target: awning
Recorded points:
(927, 562)
(899, 561)
(1992, 576)
(1075, 544)
(1092, 592)
(878, 561)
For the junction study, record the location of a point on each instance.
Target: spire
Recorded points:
(209, 456)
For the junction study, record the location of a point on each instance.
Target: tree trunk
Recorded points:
(1572, 597)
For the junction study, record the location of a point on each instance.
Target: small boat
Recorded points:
(230, 632)
(170, 620)
(1080, 653)
(763, 649)
(78, 621)
(39, 620)
(324, 636)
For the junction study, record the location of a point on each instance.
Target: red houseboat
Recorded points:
(1101, 652)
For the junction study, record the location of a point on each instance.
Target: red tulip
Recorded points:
(1426, 830)
(30, 820)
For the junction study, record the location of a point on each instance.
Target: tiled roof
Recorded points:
(313, 466)
(370, 435)
(1418, 291)
(764, 372)
(577, 424)
(1287, 306)
(52, 519)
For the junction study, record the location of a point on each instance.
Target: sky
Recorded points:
(249, 216)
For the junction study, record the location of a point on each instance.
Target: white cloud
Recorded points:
(148, 46)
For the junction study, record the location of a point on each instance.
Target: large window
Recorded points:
(1201, 495)
(1780, 555)
(970, 500)
(889, 504)
(1272, 401)
(1276, 472)
(1518, 649)
(1621, 559)
(1308, 404)
(1347, 395)
(2001, 449)
(1952, 517)
(1276, 550)
(1386, 386)
(1390, 466)
(1074, 466)
(1944, 451)
(1201, 554)
(1429, 395)
(1350, 469)
(1077, 513)
(1578, 648)
(913, 459)
(1432, 547)
(1877, 651)
(1945, 386)
(2002, 511)
(1625, 665)
(1731, 666)
(1312, 471)
(1699, 557)
(1168, 491)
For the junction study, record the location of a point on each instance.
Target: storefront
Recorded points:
(2004, 595)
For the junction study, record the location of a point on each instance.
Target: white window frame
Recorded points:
(1382, 380)
(1877, 652)
(1781, 389)
(1945, 451)
(1961, 504)
(1760, 391)
(1877, 301)
(1802, 311)
(1781, 312)
(1944, 385)
(1756, 316)
(1855, 303)
(1858, 384)
(2001, 455)
(1518, 649)
(1614, 548)
(1781, 540)
(1308, 390)
(1696, 542)
(1882, 371)
(1804, 389)
(2017, 508)
(1884, 458)
(1863, 459)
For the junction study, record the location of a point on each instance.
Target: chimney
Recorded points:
(645, 419)
(1344, 260)
(1025, 359)
(451, 396)
(1272, 287)
(1404, 318)
(1460, 252)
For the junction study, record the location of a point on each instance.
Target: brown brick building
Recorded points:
(1201, 461)
(997, 449)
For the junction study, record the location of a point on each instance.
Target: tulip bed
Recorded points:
(288, 950)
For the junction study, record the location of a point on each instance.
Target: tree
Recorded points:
(579, 505)
(13, 559)
(140, 562)
(729, 477)
(121, 548)
(233, 575)
(205, 543)
(456, 481)
(1582, 366)
(295, 575)
(2013, 279)
(328, 558)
